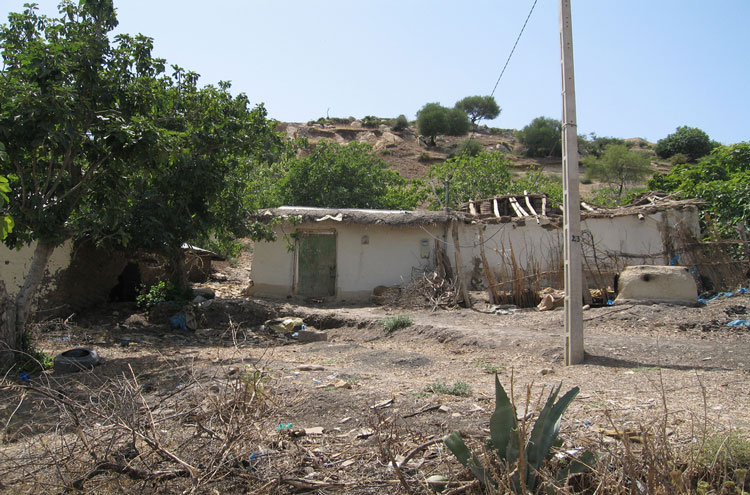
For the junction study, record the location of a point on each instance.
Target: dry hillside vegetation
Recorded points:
(404, 152)
(237, 408)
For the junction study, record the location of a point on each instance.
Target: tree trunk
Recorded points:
(178, 269)
(15, 314)
(8, 337)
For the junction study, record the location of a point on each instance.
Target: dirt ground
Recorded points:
(643, 364)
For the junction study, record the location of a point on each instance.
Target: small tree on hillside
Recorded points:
(479, 107)
(434, 119)
(542, 137)
(618, 167)
(690, 141)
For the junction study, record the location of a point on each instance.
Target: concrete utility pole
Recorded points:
(571, 197)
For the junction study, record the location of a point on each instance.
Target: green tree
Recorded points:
(434, 120)
(722, 179)
(479, 107)
(689, 141)
(349, 176)
(618, 167)
(595, 145)
(101, 144)
(542, 137)
(6, 222)
(468, 177)
(536, 181)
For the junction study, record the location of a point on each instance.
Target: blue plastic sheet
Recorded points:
(739, 323)
(723, 294)
(179, 321)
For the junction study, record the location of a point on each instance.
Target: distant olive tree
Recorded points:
(479, 107)
(690, 141)
(434, 120)
(542, 137)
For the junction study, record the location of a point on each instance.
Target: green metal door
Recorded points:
(316, 264)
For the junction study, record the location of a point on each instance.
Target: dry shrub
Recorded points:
(191, 432)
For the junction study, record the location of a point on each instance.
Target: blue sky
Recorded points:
(642, 67)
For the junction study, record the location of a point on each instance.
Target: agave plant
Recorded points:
(505, 439)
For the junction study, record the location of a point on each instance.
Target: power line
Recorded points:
(513, 49)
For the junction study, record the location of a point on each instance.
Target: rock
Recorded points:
(284, 324)
(206, 292)
(342, 384)
(136, 320)
(305, 336)
(356, 124)
(310, 367)
(545, 371)
(387, 140)
(199, 299)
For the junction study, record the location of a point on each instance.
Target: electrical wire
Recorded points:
(513, 49)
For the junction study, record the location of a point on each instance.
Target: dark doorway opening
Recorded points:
(128, 283)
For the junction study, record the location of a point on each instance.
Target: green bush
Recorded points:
(370, 121)
(401, 123)
(542, 137)
(459, 389)
(159, 292)
(469, 147)
(691, 141)
(394, 323)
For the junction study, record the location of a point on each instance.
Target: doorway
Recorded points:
(316, 264)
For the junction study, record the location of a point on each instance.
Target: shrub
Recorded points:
(159, 292)
(690, 141)
(392, 324)
(370, 121)
(470, 147)
(401, 123)
(459, 389)
(542, 137)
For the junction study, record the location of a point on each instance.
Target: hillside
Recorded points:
(412, 158)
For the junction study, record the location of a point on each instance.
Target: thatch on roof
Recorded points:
(360, 216)
(499, 209)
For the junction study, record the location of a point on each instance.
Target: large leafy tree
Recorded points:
(434, 120)
(349, 176)
(618, 167)
(722, 179)
(468, 178)
(690, 141)
(479, 108)
(102, 143)
(542, 137)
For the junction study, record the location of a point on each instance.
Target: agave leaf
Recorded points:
(581, 464)
(545, 431)
(503, 423)
(456, 444)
